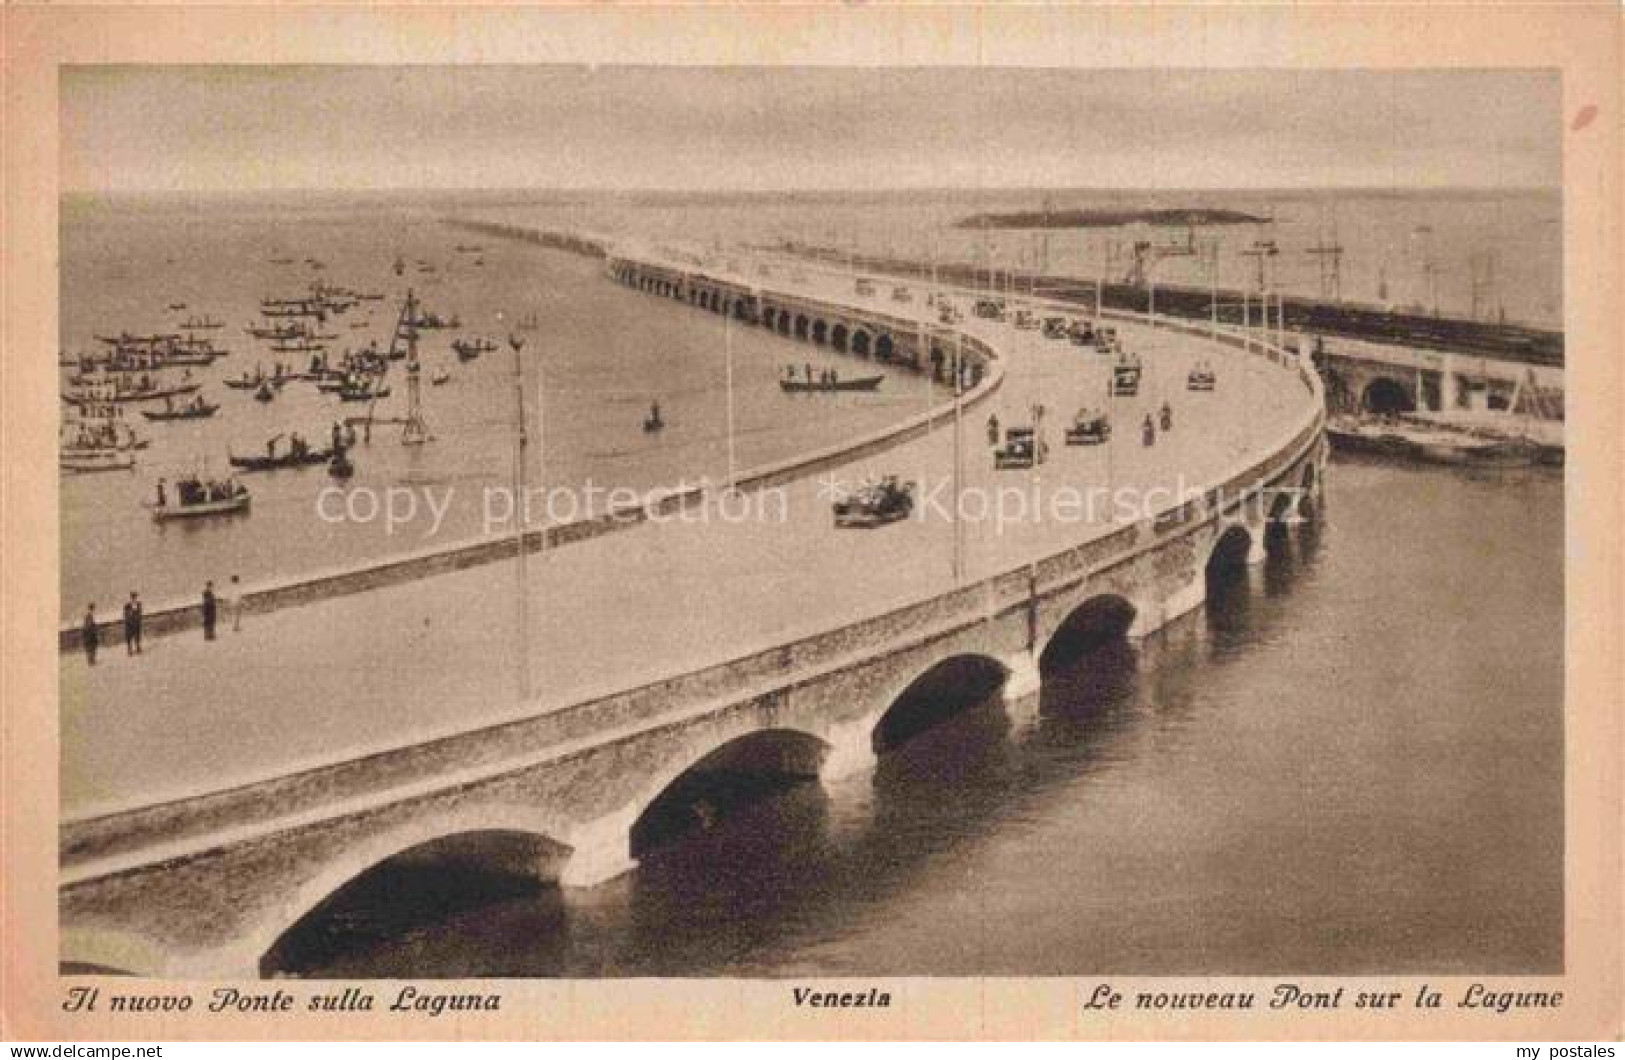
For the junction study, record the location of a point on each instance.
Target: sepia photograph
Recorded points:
(832, 524)
(552, 521)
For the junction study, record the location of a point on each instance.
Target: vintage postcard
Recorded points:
(812, 522)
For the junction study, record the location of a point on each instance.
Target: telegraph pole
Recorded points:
(521, 582)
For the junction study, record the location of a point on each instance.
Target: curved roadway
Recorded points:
(339, 678)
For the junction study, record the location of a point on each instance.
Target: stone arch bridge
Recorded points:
(206, 886)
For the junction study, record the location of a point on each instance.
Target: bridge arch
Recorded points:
(354, 862)
(802, 324)
(820, 332)
(1231, 551)
(1387, 394)
(1092, 624)
(838, 337)
(942, 690)
(784, 322)
(885, 348)
(687, 793)
(860, 343)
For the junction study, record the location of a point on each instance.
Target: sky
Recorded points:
(213, 128)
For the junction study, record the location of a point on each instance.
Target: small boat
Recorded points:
(205, 504)
(119, 397)
(439, 378)
(176, 307)
(197, 410)
(362, 393)
(278, 461)
(467, 351)
(203, 323)
(875, 503)
(253, 382)
(1201, 378)
(529, 323)
(831, 384)
(85, 461)
(653, 423)
(281, 261)
(1354, 435)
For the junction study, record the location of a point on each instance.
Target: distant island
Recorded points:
(1109, 218)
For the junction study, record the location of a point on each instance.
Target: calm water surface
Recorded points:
(1350, 761)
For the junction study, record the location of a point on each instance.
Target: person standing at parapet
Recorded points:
(234, 591)
(132, 625)
(90, 634)
(211, 610)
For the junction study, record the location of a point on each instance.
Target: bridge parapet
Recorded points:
(207, 884)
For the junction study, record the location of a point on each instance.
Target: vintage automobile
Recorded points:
(1201, 377)
(1021, 449)
(901, 294)
(1126, 375)
(866, 288)
(875, 503)
(1055, 327)
(1025, 320)
(989, 308)
(1089, 427)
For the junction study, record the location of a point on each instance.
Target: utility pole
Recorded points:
(521, 582)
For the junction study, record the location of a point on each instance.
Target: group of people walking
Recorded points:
(133, 618)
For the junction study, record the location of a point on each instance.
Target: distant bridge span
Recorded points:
(207, 885)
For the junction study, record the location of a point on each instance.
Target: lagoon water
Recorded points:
(1349, 761)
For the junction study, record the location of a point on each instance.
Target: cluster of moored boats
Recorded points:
(140, 370)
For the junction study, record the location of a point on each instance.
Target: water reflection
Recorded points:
(1164, 807)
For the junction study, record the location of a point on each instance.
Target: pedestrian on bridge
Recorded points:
(1148, 431)
(90, 634)
(132, 625)
(211, 610)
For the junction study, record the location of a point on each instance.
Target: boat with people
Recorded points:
(202, 323)
(299, 453)
(361, 392)
(87, 461)
(468, 351)
(1201, 378)
(440, 377)
(196, 409)
(121, 391)
(828, 380)
(874, 503)
(1395, 436)
(194, 498)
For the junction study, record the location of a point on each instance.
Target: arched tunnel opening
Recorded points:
(1384, 396)
(726, 783)
(431, 886)
(946, 690)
